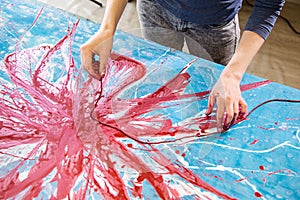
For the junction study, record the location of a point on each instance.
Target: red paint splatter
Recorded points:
(261, 167)
(258, 194)
(254, 142)
(292, 119)
(279, 171)
(240, 180)
(77, 152)
(44, 114)
(254, 85)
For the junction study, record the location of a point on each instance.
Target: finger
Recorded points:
(91, 68)
(103, 64)
(102, 68)
(229, 111)
(90, 65)
(86, 56)
(235, 112)
(230, 123)
(95, 72)
(210, 104)
(220, 114)
(87, 62)
(243, 106)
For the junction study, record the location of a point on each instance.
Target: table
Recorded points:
(146, 136)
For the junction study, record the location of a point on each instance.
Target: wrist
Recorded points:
(232, 74)
(107, 30)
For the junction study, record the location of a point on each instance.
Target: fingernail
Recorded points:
(227, 126)
(233, 119)
(242, 115)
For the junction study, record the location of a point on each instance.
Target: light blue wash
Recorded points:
(212, 42)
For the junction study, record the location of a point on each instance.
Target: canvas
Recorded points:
(141, 132)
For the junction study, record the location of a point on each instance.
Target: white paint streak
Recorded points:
(286, 143)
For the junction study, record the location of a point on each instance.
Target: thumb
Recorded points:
(86, 60)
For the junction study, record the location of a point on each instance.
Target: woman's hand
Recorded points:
(226, 94)
(99, 45)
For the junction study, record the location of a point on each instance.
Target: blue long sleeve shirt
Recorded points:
(203, 12)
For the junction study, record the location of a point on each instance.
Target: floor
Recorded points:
(278, 59)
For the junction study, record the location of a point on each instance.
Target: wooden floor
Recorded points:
(278, 59)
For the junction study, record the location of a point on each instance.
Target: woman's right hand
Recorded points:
(100, 44)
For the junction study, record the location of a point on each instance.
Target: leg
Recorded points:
(159, 25)
(197, 49)
(215, 42)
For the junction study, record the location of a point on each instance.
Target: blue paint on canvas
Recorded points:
(257, 158)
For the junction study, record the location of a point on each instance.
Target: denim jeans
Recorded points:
(212, 42)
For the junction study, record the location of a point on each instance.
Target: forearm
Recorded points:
(112, 15)
(101, 42)
(249, 45)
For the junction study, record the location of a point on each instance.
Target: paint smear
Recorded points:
(65, 148)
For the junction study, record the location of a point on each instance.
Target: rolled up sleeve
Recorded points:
(264, 16)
